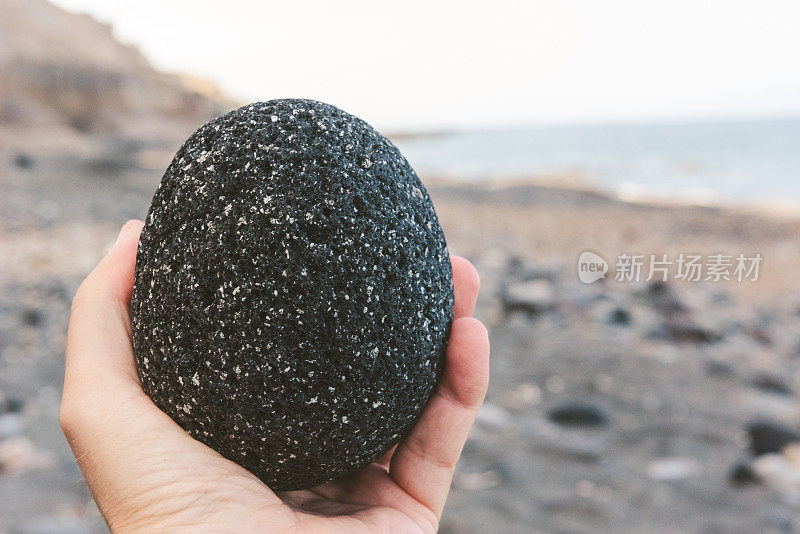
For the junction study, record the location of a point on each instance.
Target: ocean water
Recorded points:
(738, 161)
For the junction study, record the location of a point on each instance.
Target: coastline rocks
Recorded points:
(293, 292)
(683, 327)
(494, 417)
(769, 436)
(673, 468)
(23, 161)
(663, 298)
(18, 455)
(533, 298)
(578, 414)
(741, 474)
(781, 472)
(771, 384)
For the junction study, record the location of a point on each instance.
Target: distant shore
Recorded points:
(781, 208)
(545, 223)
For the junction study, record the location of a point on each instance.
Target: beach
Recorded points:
(613, 406)
(639, 280)
(665, 378)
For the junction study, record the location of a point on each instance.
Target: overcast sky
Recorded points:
(438, 64)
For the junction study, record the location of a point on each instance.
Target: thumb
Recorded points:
(98, 343)
(130, 452)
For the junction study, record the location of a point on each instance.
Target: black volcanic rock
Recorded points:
(293, 292)
(768, 436)
(742, 474)
(578, 414)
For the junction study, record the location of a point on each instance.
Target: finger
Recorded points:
(466, 284)
(98, 341)
(424, 461)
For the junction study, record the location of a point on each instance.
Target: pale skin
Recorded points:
(147, 475)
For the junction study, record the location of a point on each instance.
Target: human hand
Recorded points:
(146, 474)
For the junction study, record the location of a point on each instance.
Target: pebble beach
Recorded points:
(615, 406)
(637, 401)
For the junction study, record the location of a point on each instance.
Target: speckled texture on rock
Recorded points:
(293, 292)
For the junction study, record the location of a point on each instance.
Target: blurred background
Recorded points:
(542, 130)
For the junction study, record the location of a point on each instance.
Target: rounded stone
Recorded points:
(293, 292)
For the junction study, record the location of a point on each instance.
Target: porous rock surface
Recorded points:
(293, 292)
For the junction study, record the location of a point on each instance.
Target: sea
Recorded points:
(711, 161)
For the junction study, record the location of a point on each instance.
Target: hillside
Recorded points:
(67, 74)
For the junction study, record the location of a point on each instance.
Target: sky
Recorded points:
(430, 64)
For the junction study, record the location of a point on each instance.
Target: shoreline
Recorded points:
(784, 209)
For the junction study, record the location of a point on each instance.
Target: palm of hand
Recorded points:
(147, 474)
(189, 484)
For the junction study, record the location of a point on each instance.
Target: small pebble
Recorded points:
(578, 415)
(769, 436)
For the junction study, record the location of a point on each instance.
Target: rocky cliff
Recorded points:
(66, 72)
